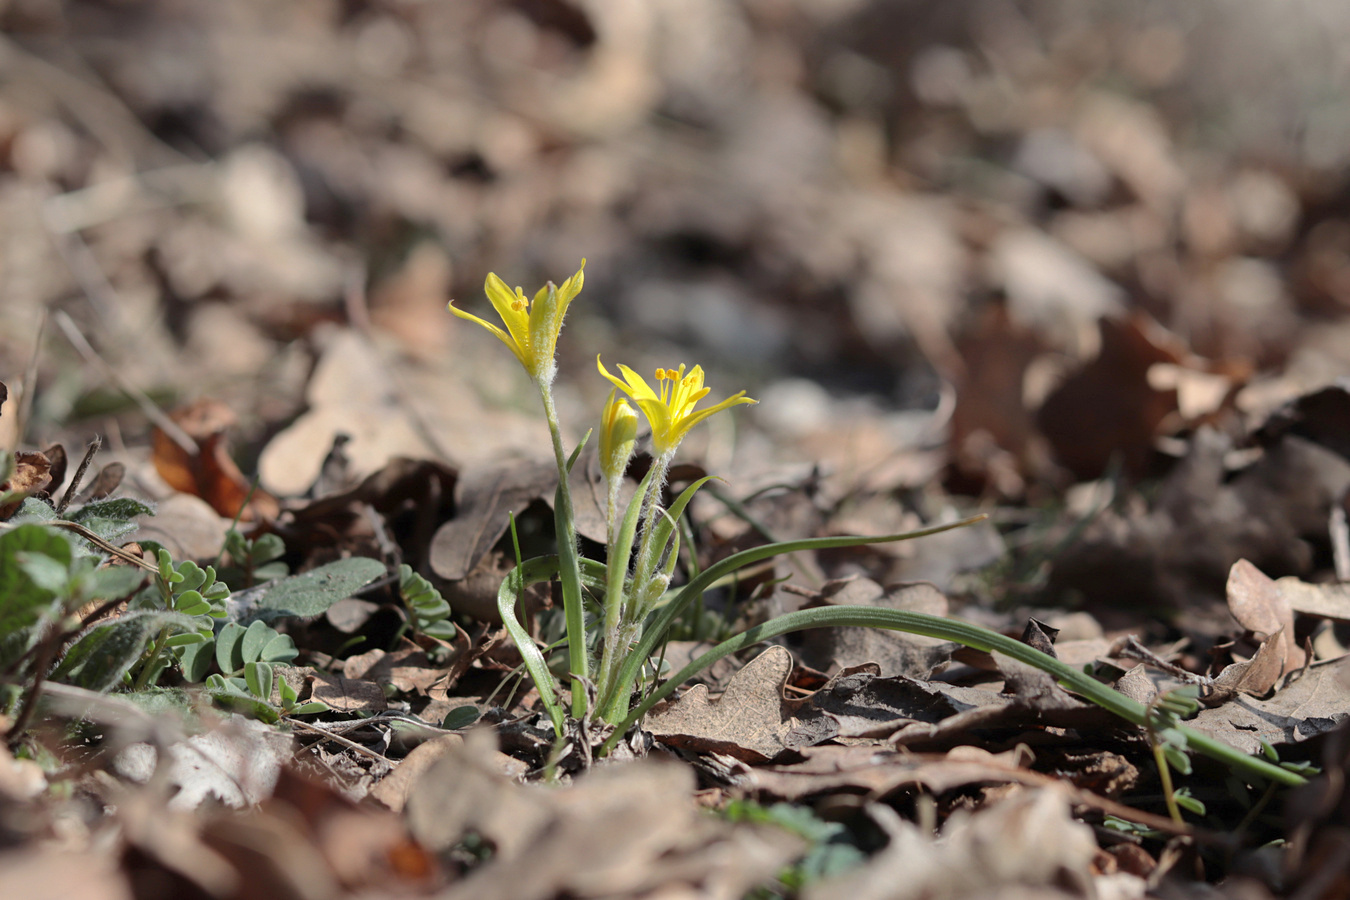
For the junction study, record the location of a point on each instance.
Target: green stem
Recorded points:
(1165, 776)
(971, 636)
(569, 573)
(148, 665)
(646, 564)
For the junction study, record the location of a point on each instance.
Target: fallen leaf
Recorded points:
(622, 830)
(237, 763)
(747, 722)
(1026, 845)
(347, 694)
(486, 497)
(879, 771)
(1107, 408)
(31, 475)
(1261, 607)
(896, 652)
(1326, 601)
(1313, 704)
(209, 472)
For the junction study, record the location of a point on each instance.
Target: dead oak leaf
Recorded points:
(1312, 705)
(747, 722)
(1259, 606)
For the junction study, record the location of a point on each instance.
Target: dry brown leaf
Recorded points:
(1255, 676)
(878, 771)
(486, 497)
(747, 722)
(32, 474)
(1259, 606)
(1327, 601)
(1027, 845)
(1312, 704)
(209, 472)
(994, 438)
(347, 694)
(1108, 408)
(62, 875)
(186, 526)
(622, 830)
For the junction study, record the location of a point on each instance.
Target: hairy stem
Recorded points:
(569, 573)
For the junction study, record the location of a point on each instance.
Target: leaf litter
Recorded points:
(1032, 297)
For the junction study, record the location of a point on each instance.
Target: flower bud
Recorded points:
(618, 433)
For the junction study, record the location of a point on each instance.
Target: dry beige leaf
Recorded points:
(1259, 606)
(622, 830)
(1028, 845)
(1327, 601)
(747, 722)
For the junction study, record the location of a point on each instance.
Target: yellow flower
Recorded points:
(532, 326)
(670, 410)
(618, 433)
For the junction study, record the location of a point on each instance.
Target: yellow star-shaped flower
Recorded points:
(670, 410)
(532, 326)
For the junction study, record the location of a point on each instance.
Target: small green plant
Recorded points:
(638, 602)
(68, 616)
(248, 659)
(428, 612)
(253, 560)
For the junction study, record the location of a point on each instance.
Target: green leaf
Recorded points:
(229, 648)
(98, 660)
(287, 692)
(24, 602)
(119, 509)
(33, 511)
(48, 574)
(193, 576)
(258, 677)
(112, 582)
(312, 593)
(460, 717)
(195, 659)
(255, 638)
(266, 548)
(309, 708)
(280, 648)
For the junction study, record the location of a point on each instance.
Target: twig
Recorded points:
(337, 738)
(74, 486)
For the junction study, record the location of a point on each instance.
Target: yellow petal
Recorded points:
(501, 335)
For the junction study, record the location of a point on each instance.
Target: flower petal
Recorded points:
(501, 335)
(511, 306)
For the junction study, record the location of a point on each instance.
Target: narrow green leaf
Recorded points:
(971, 636)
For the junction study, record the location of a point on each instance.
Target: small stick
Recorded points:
(74, 486)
